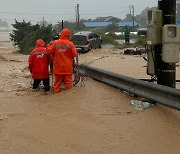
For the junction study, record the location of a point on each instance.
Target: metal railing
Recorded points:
(151, 91)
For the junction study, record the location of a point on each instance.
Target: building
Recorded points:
(132, 25)
(101, 25)
(96, 25)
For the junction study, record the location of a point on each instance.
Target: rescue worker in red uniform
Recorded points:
(39, 60)
(63, 52)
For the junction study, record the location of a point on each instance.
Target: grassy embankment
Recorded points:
(111, 39)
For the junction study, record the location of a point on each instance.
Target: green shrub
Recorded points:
(25, 35)
(111, 39)
(141, 41)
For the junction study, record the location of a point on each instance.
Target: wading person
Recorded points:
(39, 60)
(126, 34)
(63, 52)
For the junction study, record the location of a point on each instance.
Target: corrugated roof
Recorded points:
(128, 23)
(97, 24)
(104, 24)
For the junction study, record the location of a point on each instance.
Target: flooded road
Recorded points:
(110, 46)
(90, 119)
(132, 41)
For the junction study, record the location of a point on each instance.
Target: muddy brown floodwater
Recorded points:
(90, 119)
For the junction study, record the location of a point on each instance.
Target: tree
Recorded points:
(129, 17)
(141, 18)
(70, 25)
(112, 28)
(25, 35)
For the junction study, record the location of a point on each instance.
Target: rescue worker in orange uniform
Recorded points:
(39, 60)
(63, 52)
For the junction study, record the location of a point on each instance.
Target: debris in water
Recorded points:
(140, 105)
(3, 117)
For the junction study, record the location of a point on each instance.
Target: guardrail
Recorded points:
(151, 91)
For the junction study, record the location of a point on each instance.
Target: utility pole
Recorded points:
(130, 9)
(43, 21)
(166, 73)
(62, 25)
(78, 15)
(133, 14)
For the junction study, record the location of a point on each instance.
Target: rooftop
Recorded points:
(104, 24)
(97, 24)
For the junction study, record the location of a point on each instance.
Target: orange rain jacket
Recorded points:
(39, 61)
(63, 51)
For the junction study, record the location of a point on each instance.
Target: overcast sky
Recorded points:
(57, 10)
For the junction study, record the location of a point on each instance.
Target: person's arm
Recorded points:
(74, 51)
(30, 61)
(50, 48)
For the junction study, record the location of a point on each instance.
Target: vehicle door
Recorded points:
(97, 40)
(91, 40)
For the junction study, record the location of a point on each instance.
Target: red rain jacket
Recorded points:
(39, 61)
(63, 52)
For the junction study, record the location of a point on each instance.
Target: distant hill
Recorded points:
(3, 24)
(140, 19)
